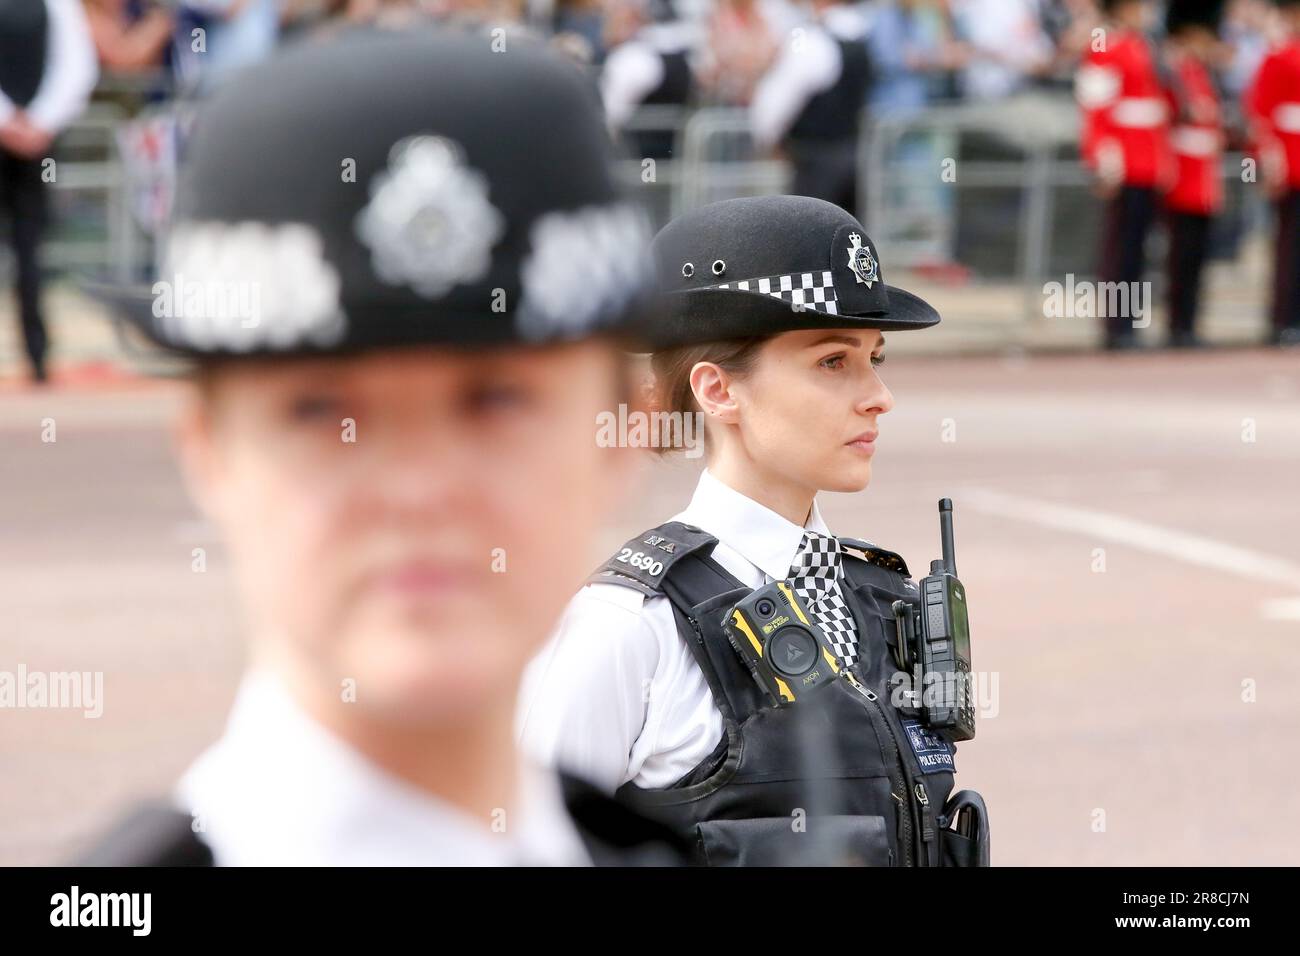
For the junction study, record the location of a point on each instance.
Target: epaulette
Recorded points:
(877, 556)
(642, 563)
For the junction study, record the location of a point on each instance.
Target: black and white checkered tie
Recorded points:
(815, 576)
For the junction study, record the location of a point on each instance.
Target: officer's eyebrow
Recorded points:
(845, 340)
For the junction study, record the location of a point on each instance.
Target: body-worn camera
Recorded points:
(780, 643)
(934, 643)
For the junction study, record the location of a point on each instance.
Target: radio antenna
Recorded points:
(945, 533)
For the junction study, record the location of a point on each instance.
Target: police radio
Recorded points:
(934, 642)
(780, 643)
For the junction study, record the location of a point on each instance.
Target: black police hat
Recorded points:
(1193, 13)
(758, 266)
(482, 209)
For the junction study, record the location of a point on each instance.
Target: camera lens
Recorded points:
(765, 608)
(792, 651)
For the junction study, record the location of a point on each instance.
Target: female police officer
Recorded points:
(402, 333)
(775, 312)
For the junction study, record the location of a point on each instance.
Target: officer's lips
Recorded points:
(866, 442)
(420, 578)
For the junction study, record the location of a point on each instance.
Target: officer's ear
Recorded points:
(711, 385)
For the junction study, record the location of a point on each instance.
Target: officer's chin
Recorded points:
(847, 479)
(425, 670)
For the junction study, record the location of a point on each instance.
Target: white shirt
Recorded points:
(616, 695)
(801, 71)
(279, 789)
(635, 68)
(71, 70)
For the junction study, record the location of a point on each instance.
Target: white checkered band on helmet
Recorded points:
(813, 290)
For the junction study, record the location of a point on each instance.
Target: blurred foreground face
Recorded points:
(413, 521)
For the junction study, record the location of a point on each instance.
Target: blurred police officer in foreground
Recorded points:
(399, 265)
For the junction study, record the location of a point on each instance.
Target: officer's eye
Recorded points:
(833, 361)
(314, 407)
(496, 396)
(877, 361)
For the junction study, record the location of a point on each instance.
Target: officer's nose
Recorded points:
(877, 399)
(422, 470)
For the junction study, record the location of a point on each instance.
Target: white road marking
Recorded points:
(1281, 609)
(1168, 542)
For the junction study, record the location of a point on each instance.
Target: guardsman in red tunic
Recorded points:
(1273, 106)
(1197, 141)
(1126, 144)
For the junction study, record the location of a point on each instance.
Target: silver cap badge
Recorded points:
(862, 262)
(429, 224)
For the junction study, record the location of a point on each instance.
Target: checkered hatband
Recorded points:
(814, 291)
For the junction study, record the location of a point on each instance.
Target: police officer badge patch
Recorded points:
(933, 753)
(429, 224)
(862, 262)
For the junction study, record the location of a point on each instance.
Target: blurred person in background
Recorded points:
(649, 64)
(47, 72)
(810, 102)
(384, 13)
(342, 15)
(1247, 26)
(131, 36)
(582, 23)
(913, 54)
(218, 38)
(911, 46)
(1125, 144)
(1068, 25)
(743, 38)
(1197, 142)
(1273, 106)
(1007, 45)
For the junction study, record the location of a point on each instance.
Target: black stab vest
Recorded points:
(673, 90)
(833, 113)
(24, 31)
(841, 776)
